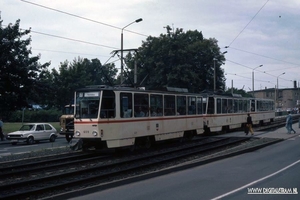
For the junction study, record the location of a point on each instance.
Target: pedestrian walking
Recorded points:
(1, 131)
(249, 124)
(289, 123)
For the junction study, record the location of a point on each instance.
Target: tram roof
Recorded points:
(139, 89)
(167, 90)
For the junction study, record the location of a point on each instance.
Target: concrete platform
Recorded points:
(278, 133)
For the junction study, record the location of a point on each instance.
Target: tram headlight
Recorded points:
(77, 133)
(95, 133)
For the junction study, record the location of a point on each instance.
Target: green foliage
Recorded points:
(78, 74)
(179, 59)
(23, 81)
(35, 116)
(19, 73)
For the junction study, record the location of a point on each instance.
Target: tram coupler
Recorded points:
(76, 144)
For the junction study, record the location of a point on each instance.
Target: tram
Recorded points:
(120, 117)
(224, 112)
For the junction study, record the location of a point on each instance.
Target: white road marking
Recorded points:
(254, 182)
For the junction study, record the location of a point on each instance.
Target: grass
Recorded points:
(11, 127)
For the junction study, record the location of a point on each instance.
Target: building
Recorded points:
(285, 99)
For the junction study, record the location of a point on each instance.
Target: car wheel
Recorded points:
(52, 138)
(30, 140)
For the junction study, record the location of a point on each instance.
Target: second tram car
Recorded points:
(116, 117)
(224, 113)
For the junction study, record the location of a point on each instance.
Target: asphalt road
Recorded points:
(7, 149)
(249, 176)
(274, 169)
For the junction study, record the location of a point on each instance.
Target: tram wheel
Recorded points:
(206, 130)
(132, 148)
(188, 135)
(148, 143)
(225, 129)
(144, 142)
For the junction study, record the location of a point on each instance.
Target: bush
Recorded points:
(35, 116)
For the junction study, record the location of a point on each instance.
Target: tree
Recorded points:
(238, 91)
(19, 73)
(77, 74)
(179, 59)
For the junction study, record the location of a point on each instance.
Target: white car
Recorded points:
(33, 132)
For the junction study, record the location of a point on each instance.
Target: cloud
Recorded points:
(271, 36)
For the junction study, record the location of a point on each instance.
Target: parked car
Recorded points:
(33, 132)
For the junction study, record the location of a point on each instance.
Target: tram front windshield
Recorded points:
(87, 105)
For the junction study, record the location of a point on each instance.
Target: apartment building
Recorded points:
(285, 99)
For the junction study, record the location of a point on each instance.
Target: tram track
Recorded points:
(55, 166)
(47, 164)
(94, 172)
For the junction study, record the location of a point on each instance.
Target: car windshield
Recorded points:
(27, 127)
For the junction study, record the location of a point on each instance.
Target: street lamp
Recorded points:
(276, 91)
(214, 75)
(253, 78)
(136, 21)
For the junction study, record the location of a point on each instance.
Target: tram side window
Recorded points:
(181, 105)
(199, 105)
(267, 105)
(126, 105)
(108, 105)
(156, 105)
(224, 106)
(219, 106)
(230, 106)
(261, 105)
(191, 105)
(169, 105)
(241, 106)
(258, 105)
(141, 105)
(235, 106)
(245, 106)
(248, 106)
(271, 105)
(204, 104)
(211, 105)
(252, 105)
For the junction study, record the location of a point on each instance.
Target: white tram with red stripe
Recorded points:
(224, 113)
(114, 117)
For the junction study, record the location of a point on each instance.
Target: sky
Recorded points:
(255, 32)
